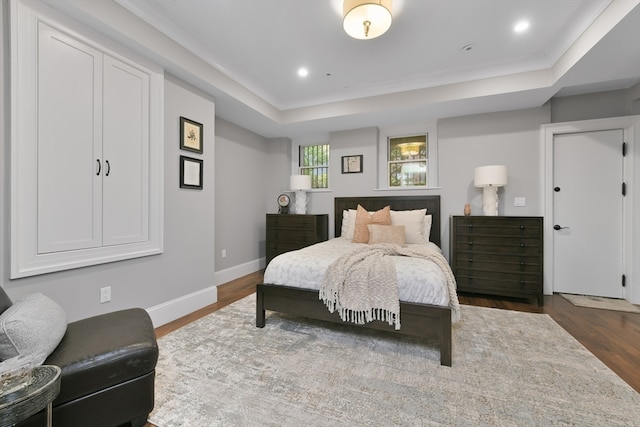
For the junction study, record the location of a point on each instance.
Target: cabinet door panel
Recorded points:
(68, 142)
(126, 153)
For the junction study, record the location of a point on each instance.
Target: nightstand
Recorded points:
(498, 255)
(288, 232)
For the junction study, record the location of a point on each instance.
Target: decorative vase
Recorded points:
(467, 209)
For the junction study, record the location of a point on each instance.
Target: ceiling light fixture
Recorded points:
(366, 19)
(521, 26)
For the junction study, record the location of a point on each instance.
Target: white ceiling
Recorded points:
(416, 71)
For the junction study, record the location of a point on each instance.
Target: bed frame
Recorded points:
(420, 320)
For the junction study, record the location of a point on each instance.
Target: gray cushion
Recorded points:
(33, 327)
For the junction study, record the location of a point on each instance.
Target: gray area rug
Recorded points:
(509, 369)
(601, 302)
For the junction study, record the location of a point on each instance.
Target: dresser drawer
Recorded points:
(507, 226)
(493, 262)
(499, 246)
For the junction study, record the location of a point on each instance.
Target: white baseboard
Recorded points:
(171, 310)
(179, 307)
(232, 273)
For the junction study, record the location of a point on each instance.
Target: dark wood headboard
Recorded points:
(397, 203)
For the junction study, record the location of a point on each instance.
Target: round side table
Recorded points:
(39, 393)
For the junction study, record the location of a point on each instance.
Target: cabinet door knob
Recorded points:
(108, 167)
(99, 167)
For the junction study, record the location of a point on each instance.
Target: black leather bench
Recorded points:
(108, 371)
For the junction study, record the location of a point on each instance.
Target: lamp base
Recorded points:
(300, 207)
(490, 201)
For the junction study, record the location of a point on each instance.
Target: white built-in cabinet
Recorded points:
(87, 143)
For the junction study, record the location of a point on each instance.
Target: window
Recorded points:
(408, 161)
(314, 161)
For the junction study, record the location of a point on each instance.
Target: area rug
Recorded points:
(509, 369)
(601, 302)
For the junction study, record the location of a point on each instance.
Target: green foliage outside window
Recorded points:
(314, 161)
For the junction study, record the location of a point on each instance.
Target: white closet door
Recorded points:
(126, 154)
(69, 141)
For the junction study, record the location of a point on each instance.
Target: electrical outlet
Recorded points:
(105, 294)
(224, 253)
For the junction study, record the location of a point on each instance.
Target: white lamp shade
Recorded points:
(366, 19)
(490, 176)
(300, 182)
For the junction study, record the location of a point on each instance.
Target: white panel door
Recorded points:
(588, 209)
(126, 154)
(69, 141)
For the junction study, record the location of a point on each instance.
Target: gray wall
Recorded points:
(511, 138)
(186, 265)
(240, 171)
(592, 106)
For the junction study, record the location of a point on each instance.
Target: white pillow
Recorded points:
(426, 228)
(413, 222)
(348, 224)
(32, 327)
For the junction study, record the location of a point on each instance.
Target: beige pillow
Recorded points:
(363, 218)
(387, 234)
(413, 221)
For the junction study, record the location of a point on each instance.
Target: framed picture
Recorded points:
(352, 164)
(190, 173)
(190, 135)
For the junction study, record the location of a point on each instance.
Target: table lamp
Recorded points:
(300, 184)
(490, 178)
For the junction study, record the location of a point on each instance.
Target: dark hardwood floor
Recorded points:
(612, 336)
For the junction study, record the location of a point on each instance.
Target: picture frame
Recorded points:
(191, 138)
(191, 173)
(352, 164)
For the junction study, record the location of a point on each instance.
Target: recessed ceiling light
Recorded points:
(521, 26)
(303, 72)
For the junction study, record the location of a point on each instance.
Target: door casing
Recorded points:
(631, 226)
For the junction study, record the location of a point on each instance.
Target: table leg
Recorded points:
(50, 414)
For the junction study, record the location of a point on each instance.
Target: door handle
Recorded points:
(557, 227)
(99, 167)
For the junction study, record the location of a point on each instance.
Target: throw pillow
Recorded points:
(363, 218)
(413, 221)
(32, 327)
(387, 234)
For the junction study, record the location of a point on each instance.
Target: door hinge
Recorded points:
(624, 280)
(624, 188)
(624, 149)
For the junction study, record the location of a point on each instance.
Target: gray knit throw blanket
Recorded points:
(362, 285)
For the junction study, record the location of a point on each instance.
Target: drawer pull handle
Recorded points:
(522, 245)
(470, 259)
(470, 243)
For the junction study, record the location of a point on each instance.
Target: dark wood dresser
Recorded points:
(498, 255)
(288, 232)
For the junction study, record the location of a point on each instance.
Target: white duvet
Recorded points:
(419, 280)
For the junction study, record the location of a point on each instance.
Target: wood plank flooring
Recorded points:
(612, 336)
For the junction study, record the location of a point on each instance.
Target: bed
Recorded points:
(429, 321)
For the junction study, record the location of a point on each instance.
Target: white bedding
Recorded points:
(419, 280)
